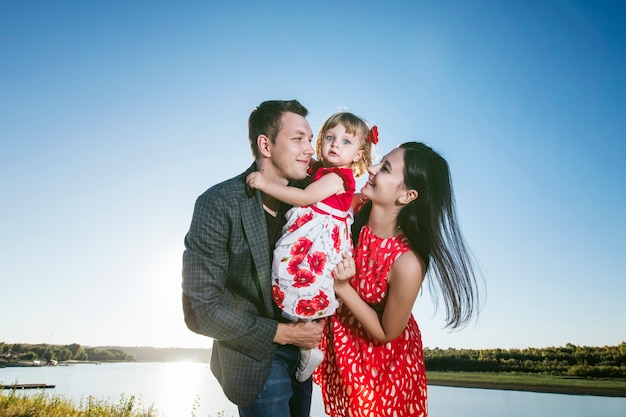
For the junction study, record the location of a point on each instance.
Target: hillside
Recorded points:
(154, 354)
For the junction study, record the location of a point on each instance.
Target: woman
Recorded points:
(374, 362)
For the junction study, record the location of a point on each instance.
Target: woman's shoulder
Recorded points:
(407, 266)
(409, 259)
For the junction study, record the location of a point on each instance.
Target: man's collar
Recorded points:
(249, 190)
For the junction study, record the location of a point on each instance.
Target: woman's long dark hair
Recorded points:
(429, 223)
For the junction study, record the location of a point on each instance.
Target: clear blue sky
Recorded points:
(115, 116)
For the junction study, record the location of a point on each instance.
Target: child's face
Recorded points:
(339, 148)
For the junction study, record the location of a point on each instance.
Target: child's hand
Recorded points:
(344, 270)
(256, 180)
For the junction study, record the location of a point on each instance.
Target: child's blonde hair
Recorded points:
(355, 126)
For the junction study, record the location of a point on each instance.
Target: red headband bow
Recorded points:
(373, 136)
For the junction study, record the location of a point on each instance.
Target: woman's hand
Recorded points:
(358, 201)
(343, 271)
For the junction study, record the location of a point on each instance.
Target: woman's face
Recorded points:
(386, 179)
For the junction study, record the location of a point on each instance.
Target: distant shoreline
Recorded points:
(30, 364)
(547, 389)
(452, 379)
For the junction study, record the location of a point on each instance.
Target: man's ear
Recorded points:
(263, 142)
(407, 196)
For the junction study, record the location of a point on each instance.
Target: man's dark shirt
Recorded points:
(274, 231)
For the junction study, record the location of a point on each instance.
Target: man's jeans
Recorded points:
(282, 395)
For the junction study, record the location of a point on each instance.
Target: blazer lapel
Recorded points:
(255, 230)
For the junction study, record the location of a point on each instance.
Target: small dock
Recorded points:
(26, 386)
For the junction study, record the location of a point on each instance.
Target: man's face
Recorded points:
(292, 151)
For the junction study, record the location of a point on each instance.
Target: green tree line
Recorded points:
(16, 352)
(569, 360)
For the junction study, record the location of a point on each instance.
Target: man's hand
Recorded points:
(306, 335)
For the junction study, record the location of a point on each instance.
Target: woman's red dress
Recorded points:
(359, 376)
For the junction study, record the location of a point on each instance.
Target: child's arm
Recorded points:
(324, 187)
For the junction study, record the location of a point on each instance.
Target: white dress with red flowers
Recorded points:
(313, 240)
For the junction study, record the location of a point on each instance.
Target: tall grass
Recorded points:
(19, 404)
(39, 404)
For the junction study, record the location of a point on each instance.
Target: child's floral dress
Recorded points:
(310, 247)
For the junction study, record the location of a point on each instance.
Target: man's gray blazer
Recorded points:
(227, 283)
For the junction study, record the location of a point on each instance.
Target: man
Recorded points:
(227, 289)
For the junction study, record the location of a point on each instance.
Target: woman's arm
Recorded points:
(404, 280)
(327, 185)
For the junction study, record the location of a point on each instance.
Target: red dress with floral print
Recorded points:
(359, 376)
(312, 242)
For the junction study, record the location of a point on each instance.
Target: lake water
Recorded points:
(189, 389)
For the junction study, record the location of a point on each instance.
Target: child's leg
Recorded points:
(309, 360)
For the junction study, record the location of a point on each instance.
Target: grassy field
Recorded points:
(530, 382)
(17, 404)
